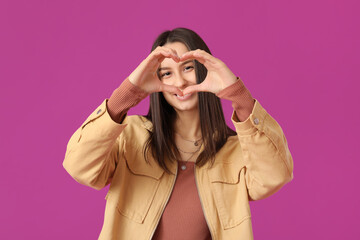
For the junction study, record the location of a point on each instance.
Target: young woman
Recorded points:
(180, 172)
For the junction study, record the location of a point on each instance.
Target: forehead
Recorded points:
(180, 49)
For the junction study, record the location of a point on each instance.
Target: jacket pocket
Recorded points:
(138, 183)
(230, 194)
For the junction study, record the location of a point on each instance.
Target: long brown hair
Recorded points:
(212, 122)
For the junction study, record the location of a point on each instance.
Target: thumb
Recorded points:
(194, 88)
(170, 89)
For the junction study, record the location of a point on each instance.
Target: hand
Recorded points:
(218, 77)
(145, 75)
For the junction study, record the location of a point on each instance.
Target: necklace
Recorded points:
(183, 166)
(188, 152)
(196, 142)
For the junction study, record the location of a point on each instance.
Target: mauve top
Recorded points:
(183, 217)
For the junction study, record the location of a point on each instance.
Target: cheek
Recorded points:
(165, 81)
(167, 96)
(192, 77)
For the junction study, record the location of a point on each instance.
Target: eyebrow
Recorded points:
(165, 68)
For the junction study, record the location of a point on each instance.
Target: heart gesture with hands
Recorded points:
(145, 75)
(218, 77)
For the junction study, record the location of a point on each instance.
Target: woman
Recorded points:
(179, 172)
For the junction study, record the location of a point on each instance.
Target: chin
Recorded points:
(186, 107)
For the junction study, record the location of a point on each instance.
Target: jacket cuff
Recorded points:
(253, 123)
(108, 126)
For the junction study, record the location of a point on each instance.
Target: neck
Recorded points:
(187, 124)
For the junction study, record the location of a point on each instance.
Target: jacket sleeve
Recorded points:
(268, 161)
(93, 150)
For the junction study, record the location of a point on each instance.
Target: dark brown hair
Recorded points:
(213, 126)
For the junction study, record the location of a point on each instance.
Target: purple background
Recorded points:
(60, 59)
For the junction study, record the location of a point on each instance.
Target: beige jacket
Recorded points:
(250, 166)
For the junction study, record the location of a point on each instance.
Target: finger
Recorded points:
(194, 88)
(200, 55)
(160, 55)
(170, 89)
(172, 51)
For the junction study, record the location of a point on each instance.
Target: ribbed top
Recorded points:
(127, 95)
(183, 217)
(241, 99)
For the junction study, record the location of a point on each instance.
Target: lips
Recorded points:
(183, 98)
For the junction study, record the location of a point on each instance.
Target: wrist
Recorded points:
(123, 98)
(230, 85)
(229, 81)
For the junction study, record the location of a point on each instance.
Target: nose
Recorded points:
(180, 82)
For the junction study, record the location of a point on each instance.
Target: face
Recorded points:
(180, 75)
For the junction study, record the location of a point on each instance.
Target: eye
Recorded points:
(165, 74)
(188, 68)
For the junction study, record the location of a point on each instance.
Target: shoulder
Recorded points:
(230, 149)
(231, 140)
(135, 119)
(231, 143)
(137, 124)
